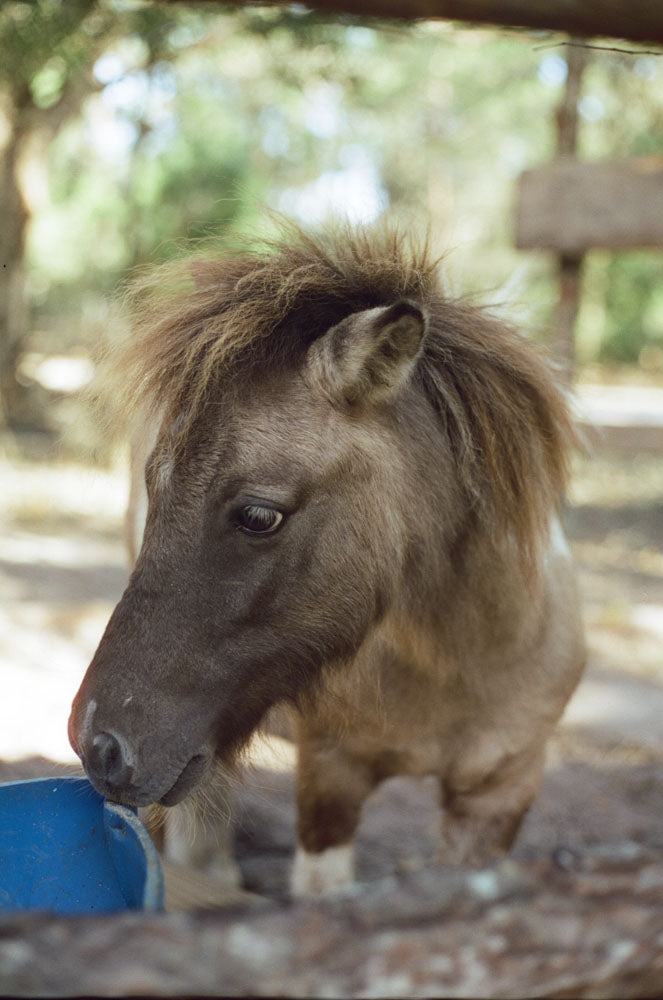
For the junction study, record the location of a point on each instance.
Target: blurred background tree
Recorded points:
(48, 51)
(129, 129)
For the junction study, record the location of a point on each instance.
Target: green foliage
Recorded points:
(39, 41)
(634, 310)
(184, 119)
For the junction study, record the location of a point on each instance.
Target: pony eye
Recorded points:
(257, 520)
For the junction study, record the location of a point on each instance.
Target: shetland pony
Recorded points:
(353, 509)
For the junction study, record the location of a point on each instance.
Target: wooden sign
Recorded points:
(570, 206)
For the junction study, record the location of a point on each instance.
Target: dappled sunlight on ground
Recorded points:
(62, 568)
(616, 525)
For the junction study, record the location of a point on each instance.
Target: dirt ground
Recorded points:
(62, 568)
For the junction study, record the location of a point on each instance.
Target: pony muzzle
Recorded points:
(118, 773)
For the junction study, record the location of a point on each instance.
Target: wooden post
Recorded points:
(570, 265)
(570, 277)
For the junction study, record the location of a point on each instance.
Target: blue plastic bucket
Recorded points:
(65, 849)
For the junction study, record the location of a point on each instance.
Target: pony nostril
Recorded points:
(108, 760)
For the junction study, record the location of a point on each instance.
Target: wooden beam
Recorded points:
(571, 207)
(637, 20)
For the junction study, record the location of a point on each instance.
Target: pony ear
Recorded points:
(369, 355)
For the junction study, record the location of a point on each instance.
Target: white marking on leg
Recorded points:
(319, 874)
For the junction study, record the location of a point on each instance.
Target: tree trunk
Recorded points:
(14, 318)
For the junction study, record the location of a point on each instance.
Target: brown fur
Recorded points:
(416, 604)
(506, 420)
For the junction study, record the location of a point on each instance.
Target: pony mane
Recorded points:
(255, 305)
(252, 307)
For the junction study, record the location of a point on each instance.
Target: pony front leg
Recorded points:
(482, 814)
(331, 789)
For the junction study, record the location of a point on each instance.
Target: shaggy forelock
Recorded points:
(206, 321)
(243, 306)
